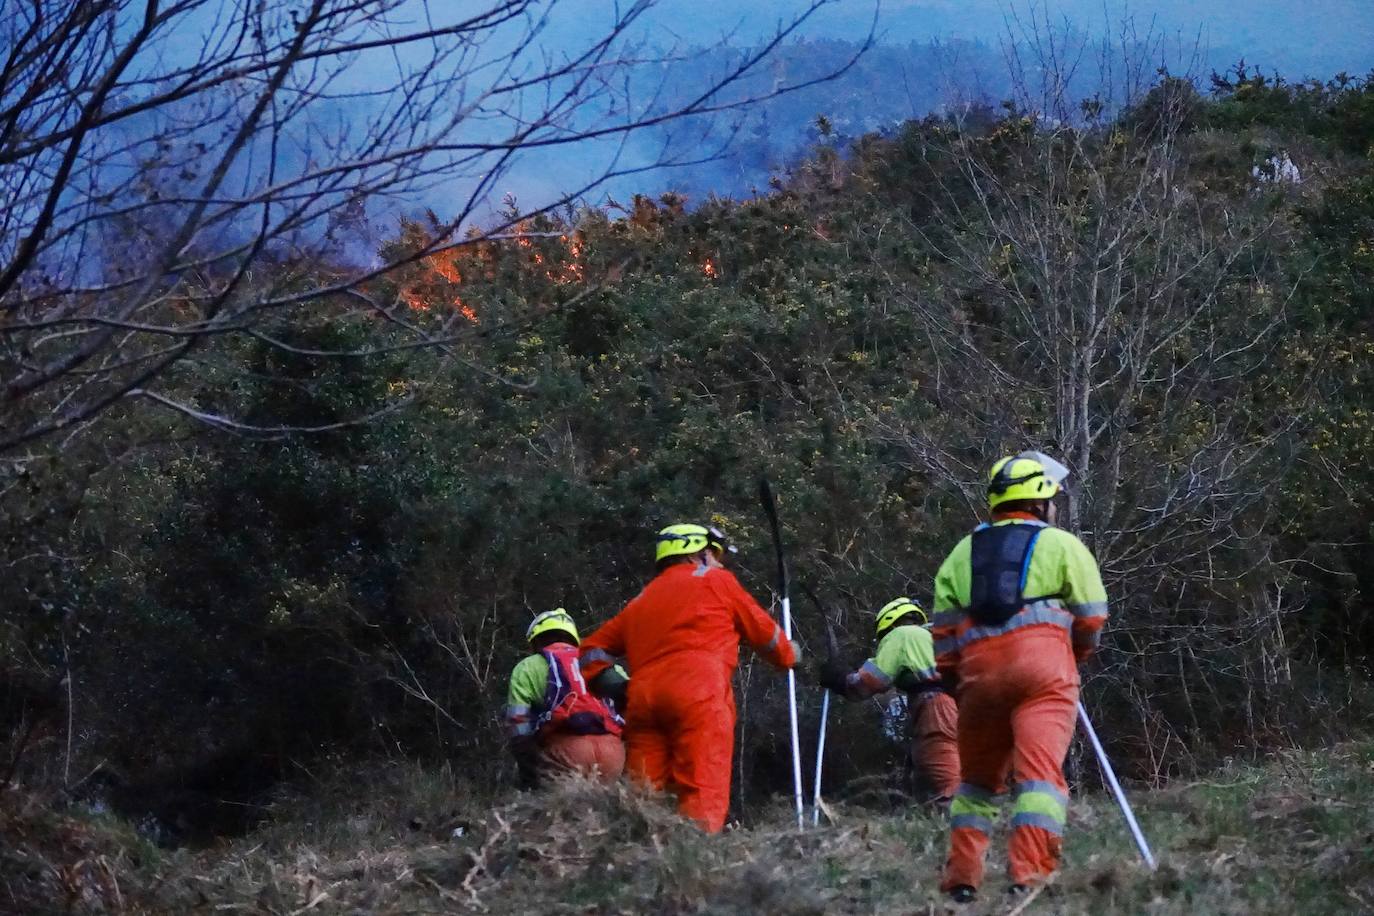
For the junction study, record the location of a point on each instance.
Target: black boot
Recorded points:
(963, 893)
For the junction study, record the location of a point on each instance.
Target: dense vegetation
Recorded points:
(1154, 295)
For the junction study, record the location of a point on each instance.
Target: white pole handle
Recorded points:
(820, 760)
(1125, 806)
(792, 715)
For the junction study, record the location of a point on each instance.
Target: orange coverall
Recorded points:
(680, 638)
(1017, 686)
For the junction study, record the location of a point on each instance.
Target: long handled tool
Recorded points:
(832, 649)
(771, 510)
(1108, 772)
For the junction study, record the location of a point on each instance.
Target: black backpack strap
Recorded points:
(1000, 557)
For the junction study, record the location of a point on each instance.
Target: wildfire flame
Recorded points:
(437, 275)
(709, 268)
(444, 266)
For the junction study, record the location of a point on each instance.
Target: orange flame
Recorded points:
(709, 268)
(440, 266)
(445, 264)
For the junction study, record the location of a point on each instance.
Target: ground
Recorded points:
(1291, 835)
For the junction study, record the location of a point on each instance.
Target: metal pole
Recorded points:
(1110, 774)
(792, 716)
(820, 760)
(770, 509)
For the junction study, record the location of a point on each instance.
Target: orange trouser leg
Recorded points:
(935, 744)
(647, 754)
(703, 744)
(985, 742)
(598, 756)
(1043, 727)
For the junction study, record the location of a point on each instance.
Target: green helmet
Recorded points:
(1029, 475)
(685, 540)
(894, 611)
(556, 619)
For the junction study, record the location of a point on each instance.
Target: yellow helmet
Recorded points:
(685, 540)
(556, 619)
(894, 611)
(1029, 475)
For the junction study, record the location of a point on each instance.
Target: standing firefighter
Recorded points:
(906, 660)
(556, 724)
(1018, 604)
(681, 637)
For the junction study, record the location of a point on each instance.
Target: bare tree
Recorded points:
(178, 171)
(1082, 291)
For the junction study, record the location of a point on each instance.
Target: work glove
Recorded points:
(833, 676)
(614, 685)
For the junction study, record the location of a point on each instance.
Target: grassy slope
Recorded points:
(1293, 836)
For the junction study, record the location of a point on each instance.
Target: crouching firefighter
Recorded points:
(556, 724)
(1019, 603)
(905, 659)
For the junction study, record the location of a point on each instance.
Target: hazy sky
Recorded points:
(1305, 37)
(1297, 37)
(1308, 38)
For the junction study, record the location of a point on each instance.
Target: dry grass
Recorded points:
(1292, 836)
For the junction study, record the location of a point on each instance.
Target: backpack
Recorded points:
(568, 706)
(1000, 556)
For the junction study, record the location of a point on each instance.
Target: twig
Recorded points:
(479, 858)
(1028, 899)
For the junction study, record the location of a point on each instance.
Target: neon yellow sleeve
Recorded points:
(527, 683)
(954, 580)
(1063, 566)
(906, 648)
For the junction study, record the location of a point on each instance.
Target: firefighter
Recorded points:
(556, 724)
(680, 637)
(905, 659)
(1018, 604)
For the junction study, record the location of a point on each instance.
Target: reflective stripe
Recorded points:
(948, 618)
(969, 790)
(972, 807)
(1037, 612)
(971, 822)
(1044, 788)
(1040, 804)
(1043, 821)
(927, 674)
(1089, 609)
(876, 673)
(597, 655)
(522, 729)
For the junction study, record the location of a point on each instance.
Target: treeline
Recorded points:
(1176, 300)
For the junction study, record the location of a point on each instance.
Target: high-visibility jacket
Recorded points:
(905, 659)
(1018, 604)
(548, 695)
(1061, 589)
